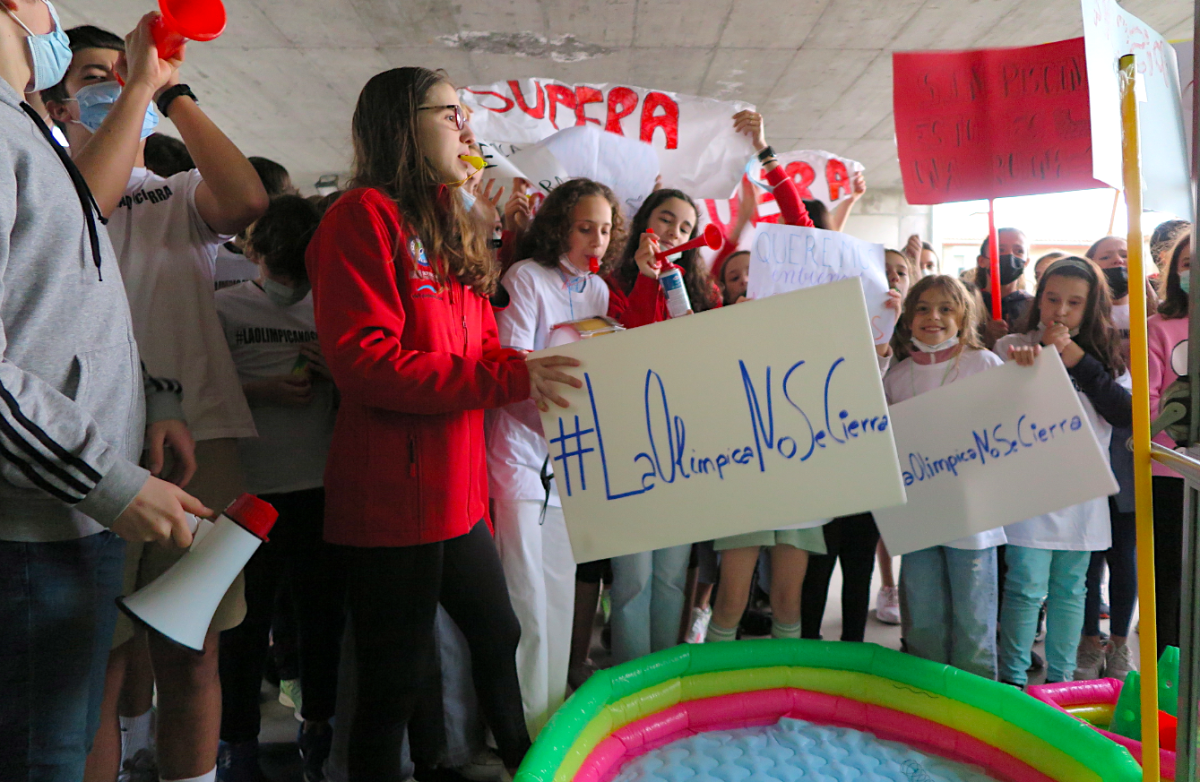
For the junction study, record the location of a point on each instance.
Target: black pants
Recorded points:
(1122, 582)
(1168, 557)
(295, 555)
(851, 539)
(393, 595)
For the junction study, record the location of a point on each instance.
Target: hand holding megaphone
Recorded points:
(158, 514)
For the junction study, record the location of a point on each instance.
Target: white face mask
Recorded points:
(938, 348)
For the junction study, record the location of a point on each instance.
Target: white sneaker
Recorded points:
(1118, 661)
(700, 619)
(1089, 661)
(887, 605)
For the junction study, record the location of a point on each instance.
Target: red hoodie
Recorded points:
(646, 302)
(407, 463)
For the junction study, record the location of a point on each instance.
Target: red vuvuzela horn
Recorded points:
(184, 20)
(711, 237)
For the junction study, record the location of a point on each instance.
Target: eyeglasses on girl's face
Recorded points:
(459, 118)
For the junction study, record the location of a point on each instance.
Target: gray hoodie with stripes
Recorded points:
(73, 398)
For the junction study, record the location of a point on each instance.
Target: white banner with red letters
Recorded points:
(818, 175)
(698, 150)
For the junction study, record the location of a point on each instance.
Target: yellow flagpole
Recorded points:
(1148, 634)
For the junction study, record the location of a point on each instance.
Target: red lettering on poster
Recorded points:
(668, 120)
(837, 178)
(803, 175)
(989, 123)
(584, 96)
(539, 108)
(508, 104)
(558, 95)
(621, 103)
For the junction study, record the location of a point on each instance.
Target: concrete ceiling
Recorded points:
(283, 79)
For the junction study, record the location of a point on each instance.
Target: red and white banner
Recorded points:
(818, 175)
(697, 148)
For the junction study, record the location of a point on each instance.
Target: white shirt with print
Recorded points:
(167, 255)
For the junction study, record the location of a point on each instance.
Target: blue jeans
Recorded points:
(1034, 575)
(647, 601)
(951, 596)
(57, 611)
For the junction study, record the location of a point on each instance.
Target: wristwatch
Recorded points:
(165, 100)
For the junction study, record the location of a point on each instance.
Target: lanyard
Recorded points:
(86, 200)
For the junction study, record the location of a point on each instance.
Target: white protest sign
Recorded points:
(499, 167)
(543, 170)
(1110, 32)
(693, 137)
(629, 167)
(1184, 58)
(784, 431)
(787, 257)
(996, 448)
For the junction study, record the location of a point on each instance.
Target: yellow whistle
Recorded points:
(474, 160)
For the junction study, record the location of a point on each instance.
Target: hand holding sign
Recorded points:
(750, 123)
(786, 431)
(965, 446)
(543, 376)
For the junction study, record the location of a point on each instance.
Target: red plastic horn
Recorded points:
(711, 237)
(184, 20)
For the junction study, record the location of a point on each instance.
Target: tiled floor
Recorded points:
(281, 763)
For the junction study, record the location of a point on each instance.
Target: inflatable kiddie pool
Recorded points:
(1093, 703)
(627, 712)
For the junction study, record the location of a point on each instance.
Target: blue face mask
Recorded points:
(96, 100)
(468, 198)
(49, 53)
(1185, 281)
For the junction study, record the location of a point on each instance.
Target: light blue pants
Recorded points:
(647, 601)
(951, 595)
(1034, 575)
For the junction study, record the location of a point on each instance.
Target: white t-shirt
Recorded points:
(265, 339)
(166, 253)
(541, 298)
(908, 379)
(1082, 527)
(232, 267)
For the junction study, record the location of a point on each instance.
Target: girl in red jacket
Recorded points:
(400, 278)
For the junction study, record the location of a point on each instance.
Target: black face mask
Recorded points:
(1011, 267)
(1118, 281)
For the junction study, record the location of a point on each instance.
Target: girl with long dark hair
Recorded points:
(400, 278)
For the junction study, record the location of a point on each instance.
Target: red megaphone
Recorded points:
(712, 237)
(184, 20)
